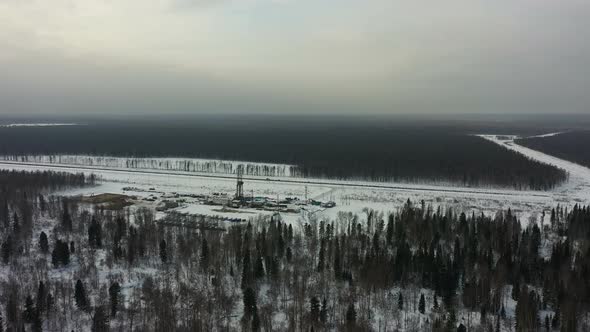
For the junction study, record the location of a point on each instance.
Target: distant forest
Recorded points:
(367, 151)
(573, 146)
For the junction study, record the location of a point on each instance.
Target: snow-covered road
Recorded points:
(576, 189)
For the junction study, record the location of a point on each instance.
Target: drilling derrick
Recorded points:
(240, 183)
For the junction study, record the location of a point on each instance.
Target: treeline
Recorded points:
(572, 146)
(167, 164)
(14, 183)
(377, 152)
(417, 269)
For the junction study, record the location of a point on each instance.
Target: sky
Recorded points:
(294, 56)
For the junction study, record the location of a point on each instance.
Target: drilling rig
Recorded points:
(240, 184)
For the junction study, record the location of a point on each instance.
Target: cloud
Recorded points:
(339, 56)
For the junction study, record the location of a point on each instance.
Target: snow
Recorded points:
(576, 189)
(350, 196)
(10, 125)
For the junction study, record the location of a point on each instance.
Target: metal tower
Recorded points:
(240, 183)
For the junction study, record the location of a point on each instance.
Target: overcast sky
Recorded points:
(294, 56)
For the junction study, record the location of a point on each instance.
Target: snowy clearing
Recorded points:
(349, 196)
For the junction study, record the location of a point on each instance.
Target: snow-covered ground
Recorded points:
(350, 196)
(575, 190)
(10, 125)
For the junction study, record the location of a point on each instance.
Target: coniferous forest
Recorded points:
(362, 150)
(68, 265)
(572, 146)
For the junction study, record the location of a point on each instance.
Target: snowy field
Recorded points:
(350, 196)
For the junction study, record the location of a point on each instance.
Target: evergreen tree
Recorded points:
(41, 297)
(80, 296)
(422, 304)
(43, 243)
(7, 249)
(400, 301)
(66, 218)
(255, 321)
(95, 234)
(16, 225)
(60, 254)
(452, 320)
(321, 262)
(315, 309)
(351, 316)
(249, 301)
(204, 255)
(163, 251)
(259, 268)
(435, 302)
(246, 269)
(324, 311)
(5, 214)
(390, 230)
(29, 312)
(114, 295)
(289, 254)
(100, 320)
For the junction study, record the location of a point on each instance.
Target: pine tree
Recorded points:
(114, 295)
(452, 320)
(315, 309)
(321, 256)
(16, 225)
(255, 321)
(259, 268)
(204, 255)
(324, 311)
(29, 312)
(60, 254)
(5, 214)
(7, 249)
(43, 243)
(95, 234)
(163, 251)
(41, 297)
(249, 301)
(80, 296)
(246, 269)
(351, 316)
(66, 218)
(422, 304)
(435, 302)
(390, 230)
(100, 320)
(289, 254)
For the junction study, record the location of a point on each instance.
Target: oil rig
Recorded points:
(240, 184)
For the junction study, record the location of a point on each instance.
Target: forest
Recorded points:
(66, 265)
(572, 146)
(341, 150)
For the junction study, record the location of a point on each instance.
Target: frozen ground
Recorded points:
(350, 196)
(10, 125)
